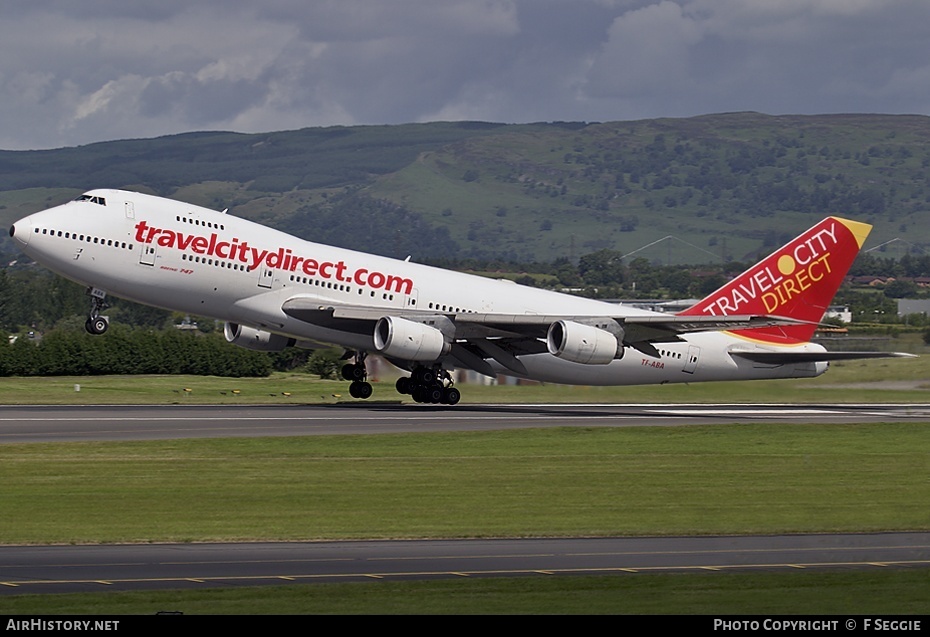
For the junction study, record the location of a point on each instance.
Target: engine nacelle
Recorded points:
(584, 344)
(258, 340)
(410, 341)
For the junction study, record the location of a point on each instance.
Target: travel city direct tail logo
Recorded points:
(798, 281)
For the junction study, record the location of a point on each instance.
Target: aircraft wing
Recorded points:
(469, 326)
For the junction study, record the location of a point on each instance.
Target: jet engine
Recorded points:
(258, 340)
(584, 344)
(410, 341)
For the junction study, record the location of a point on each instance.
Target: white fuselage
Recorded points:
(190, 259)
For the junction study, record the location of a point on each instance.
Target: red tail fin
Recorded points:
(797, 281)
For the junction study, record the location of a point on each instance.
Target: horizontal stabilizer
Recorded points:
(787, 358)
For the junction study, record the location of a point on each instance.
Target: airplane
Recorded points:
(274, 290)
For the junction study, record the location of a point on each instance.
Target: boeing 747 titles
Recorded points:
(274, 290)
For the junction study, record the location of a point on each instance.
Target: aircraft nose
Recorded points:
(20, 232)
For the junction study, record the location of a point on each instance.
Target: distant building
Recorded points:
(913, 306)
(840, 312)
(869, 280)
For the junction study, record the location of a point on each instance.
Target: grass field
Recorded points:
(637, 481)
(882, 380)
(742, 478)
(552, 482)
(885, 592)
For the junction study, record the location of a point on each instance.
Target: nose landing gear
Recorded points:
(95, 323)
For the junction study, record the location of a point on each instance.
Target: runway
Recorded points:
(27, 424)
(57, 569)
(62, 569)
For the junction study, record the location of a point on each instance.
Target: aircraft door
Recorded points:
(694, 353)
(265, 276)
(130, 210)
(148, 254)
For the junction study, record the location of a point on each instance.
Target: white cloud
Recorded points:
(97, 102)
(102, 69)
(647, 51)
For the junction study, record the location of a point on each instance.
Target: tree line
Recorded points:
(43, 315)
(43, 318)
(124, 350)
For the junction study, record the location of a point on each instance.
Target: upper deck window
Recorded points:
(93, 199)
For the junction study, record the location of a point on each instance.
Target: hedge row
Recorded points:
(129, 351)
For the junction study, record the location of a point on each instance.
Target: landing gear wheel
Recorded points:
(420, 394)
(450, 395)
(354, 371)
(360, 389)
(434, 394)
(97, 325)
(357, 373)
(429, 385)
(423, 376)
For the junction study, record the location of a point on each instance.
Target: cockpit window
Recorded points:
(93, 199)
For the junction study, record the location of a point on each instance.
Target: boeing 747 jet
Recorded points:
(275, 290)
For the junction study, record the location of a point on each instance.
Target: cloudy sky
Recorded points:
(79, 71)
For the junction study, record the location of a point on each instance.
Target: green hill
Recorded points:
(725, 186)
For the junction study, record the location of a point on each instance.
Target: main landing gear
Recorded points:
(95, 323)
(357, 373)
(427, 385)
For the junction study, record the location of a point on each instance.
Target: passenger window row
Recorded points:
(86, 238)
(336, 286)
(220, 263)
(198, 222)
(450, 308)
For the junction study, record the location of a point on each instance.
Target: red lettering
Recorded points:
(244, 251)
(399, 285)
(276, 259)
(284, 259)
(184, 241)
(140, 231)
(257, 257)
(166, 239)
